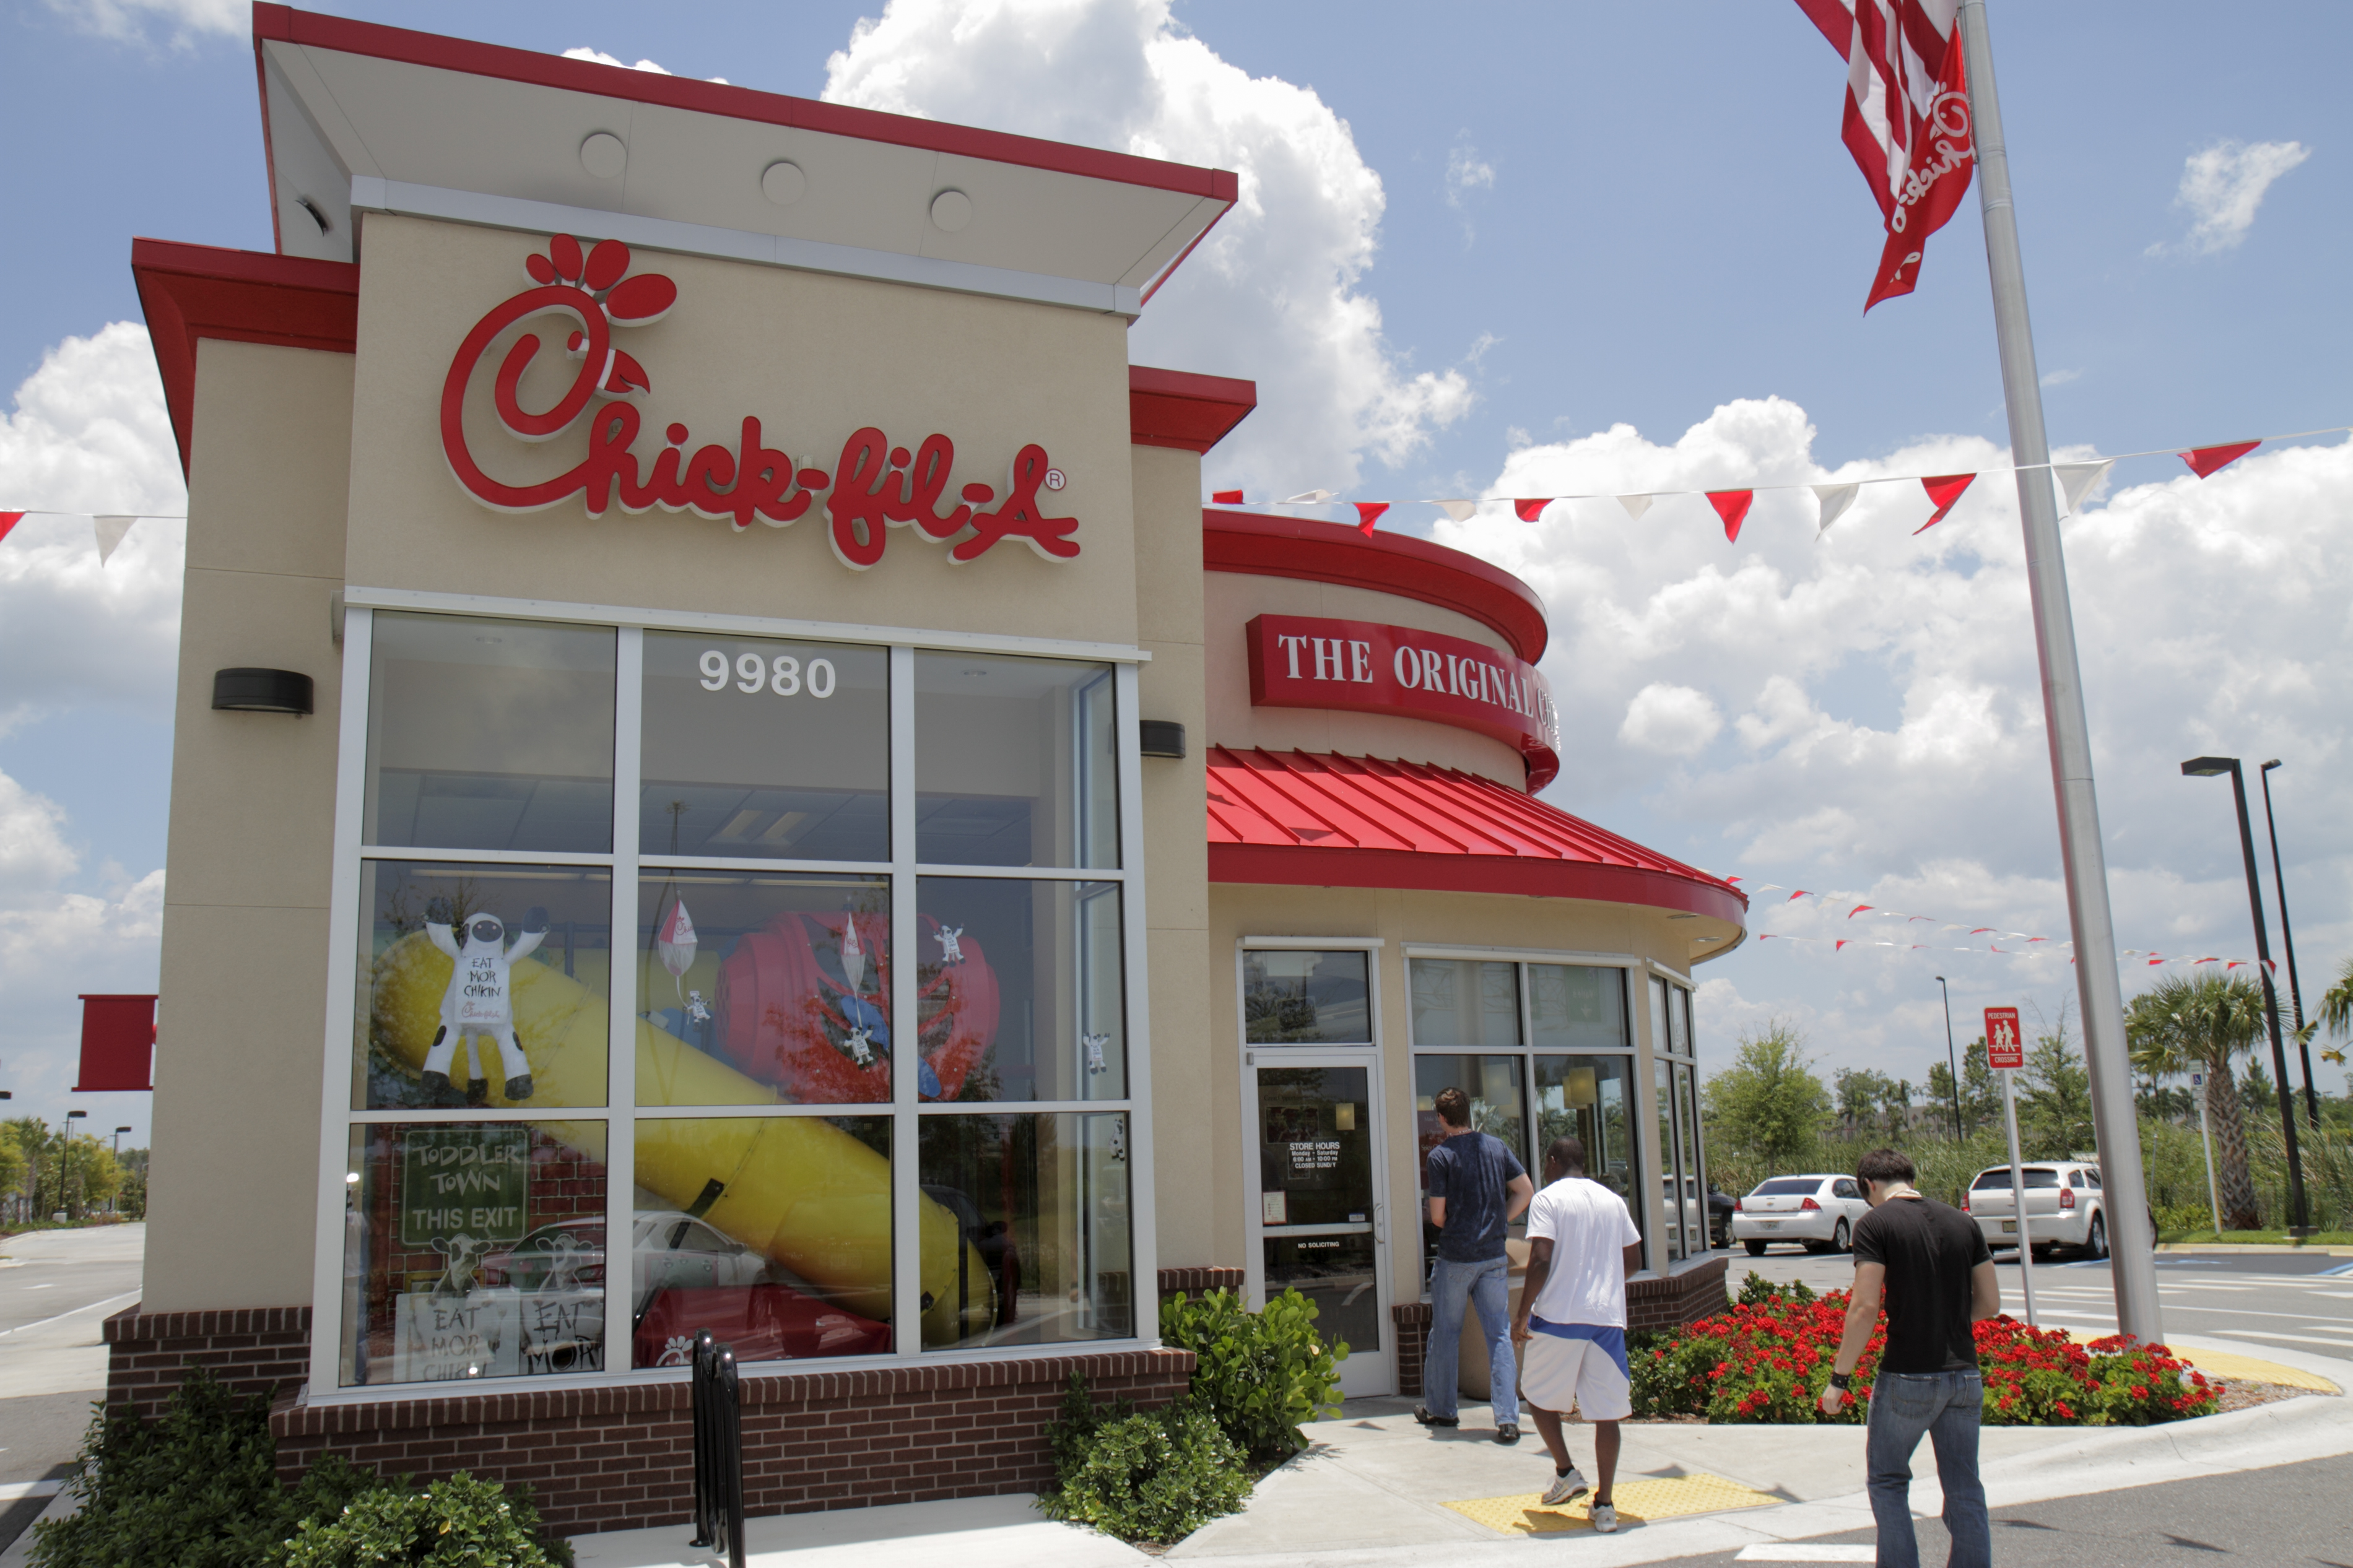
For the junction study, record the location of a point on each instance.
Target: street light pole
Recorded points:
(2300, 1222)
(2287, 940)
(65, 1148)
(1952, 1062)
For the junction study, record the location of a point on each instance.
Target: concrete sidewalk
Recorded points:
(1375, 1489)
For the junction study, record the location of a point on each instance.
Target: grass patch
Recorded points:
(2258, 1238)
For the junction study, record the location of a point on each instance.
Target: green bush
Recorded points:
(197, 1487)
(459, 1521)
(1260, 1376)
(1155, 1475)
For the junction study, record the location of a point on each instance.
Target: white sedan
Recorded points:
(1819, 1211)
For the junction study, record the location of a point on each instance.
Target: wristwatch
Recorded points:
(1839, 1380)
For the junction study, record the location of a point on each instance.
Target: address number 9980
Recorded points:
(751, 672)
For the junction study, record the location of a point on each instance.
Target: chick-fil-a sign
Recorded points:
(1362, 667)
(874, 485)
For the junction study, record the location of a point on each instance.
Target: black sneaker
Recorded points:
(1422, 1414)
(1508, 1433)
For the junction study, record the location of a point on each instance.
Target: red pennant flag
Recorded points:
(1531, 509)
(1225, 498)
(2205, 460)
(8, 520)
(1840, 942)
(1979, 930)
(1943, 489)
(1732, 506)
(1800, 893)
(1856, 911)
(1368, 513)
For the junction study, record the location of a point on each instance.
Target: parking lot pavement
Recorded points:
(56, 1288)
(2257, 1516)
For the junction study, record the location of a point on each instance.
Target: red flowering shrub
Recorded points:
(1769, 1357)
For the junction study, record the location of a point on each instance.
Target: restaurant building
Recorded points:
(724, 778)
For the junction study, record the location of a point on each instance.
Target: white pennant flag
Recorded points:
(1309, 497)
(2076, 479)
(110, 530)
(1834, 500)
(1635, 505)
(1460, 511)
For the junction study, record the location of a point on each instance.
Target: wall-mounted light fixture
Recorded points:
(261, 690)
(1162, 738)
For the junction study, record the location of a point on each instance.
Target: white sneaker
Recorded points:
(1564, 1489)
(1605, 1518)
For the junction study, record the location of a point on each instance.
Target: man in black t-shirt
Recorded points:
(1930, 1266)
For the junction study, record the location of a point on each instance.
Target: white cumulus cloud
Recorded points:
(184, 20)
(1677, 721)
(2223, 184)
(598, 56)
(1276, 291)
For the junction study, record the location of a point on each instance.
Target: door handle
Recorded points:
(1381, 1224)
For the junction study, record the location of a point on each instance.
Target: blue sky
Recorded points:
(1568, 220)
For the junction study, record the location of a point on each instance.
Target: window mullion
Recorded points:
(906, 1033)
(622, 1004)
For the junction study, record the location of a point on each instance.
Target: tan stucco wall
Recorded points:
(1176, 813)
(253, 794)
(814, 358)
(1232, 599)
(1528, 927)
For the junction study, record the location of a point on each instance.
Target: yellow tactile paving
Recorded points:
(2246, 1368)
(1638, 1500)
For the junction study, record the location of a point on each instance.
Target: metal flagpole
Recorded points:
(2018, 1196)
(2206, 1138)
(2114, 1115)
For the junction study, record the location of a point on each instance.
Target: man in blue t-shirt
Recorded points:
(1476, 1187)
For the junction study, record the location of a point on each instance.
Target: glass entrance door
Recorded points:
(1320, 1230)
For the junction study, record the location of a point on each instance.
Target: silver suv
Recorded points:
(2064, 1208)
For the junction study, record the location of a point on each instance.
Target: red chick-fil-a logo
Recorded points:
(874, 486)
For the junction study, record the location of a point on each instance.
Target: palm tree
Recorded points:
(2185, 1025)
(2336, 1010)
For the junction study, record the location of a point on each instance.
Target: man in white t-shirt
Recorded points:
(1571, 1325)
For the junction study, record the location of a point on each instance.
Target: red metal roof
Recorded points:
(1299, 818)
(1179, 408)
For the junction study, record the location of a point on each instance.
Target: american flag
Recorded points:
(1907, 120)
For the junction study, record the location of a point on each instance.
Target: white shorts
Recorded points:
(1579, 1364)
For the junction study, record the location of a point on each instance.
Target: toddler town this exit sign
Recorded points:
(1362, 667)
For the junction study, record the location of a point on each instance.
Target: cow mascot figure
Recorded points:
(479, 1002)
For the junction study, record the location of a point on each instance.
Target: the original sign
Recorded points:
(1362, 667)
(463, 1183)
(2005, 1047)
(874, 486)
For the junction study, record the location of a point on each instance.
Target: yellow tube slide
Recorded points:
(795, 1188)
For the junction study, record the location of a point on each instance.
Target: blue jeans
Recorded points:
(1488, 1286)
(1947, 1406)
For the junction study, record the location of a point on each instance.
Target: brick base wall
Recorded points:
(253, 1350)
(619, 1457)
(1670, 1302)
(1201, 1281)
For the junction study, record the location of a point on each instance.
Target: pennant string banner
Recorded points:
(1732, 507)
(1944, 494)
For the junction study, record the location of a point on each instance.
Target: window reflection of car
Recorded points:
(687, 1274)
(1720, 1206)
(1001, 1254)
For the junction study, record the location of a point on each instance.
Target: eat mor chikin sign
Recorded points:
(872, 486)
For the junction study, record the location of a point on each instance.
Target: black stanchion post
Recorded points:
(717, 1420)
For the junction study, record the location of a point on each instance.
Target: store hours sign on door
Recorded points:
(874, 486)
(1298, 661)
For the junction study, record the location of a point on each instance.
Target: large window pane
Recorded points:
(488, 734)
(1591, 1098)
(1679, 1034)
(1665, 1091)
(1019, 991)
(1016, 762)
(1465, 1002)
(1694, 1206)
(1576, 1008)
(1492, 1084)
(482, 985)
(1025, 1229)
(473, 1250)
(760, 988)
(766, 749)
(1307, 998)
(772, 1232)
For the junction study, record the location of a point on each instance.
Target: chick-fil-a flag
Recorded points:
(1907, 120)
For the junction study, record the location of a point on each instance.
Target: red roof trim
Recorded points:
(1260, 546)
(286, 25)
(195, 291)
(1301, 820)
(1178, 408)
